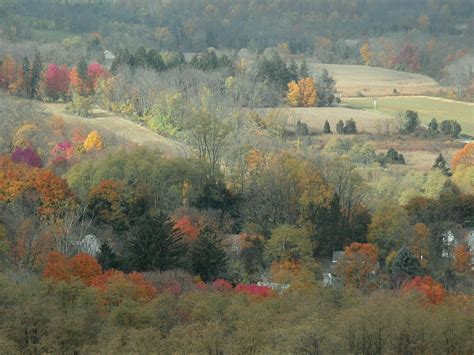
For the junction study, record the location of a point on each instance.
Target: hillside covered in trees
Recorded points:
(184, 177)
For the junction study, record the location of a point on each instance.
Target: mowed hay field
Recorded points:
(427, 108)
(371, 81)
(315, 117)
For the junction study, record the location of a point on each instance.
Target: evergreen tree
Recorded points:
(26, 67)
(340, 127)
(122, 58)
(350, 127)
(450, 128)
(293, 70)
(82, 69)
(140, 57)
(442, 165)
(404, 266)
(325, 85)
(35, 77)
(274, 71)
(412, 121)
(154, 60)
(107, 258)
(208, 257)
(330, 230)
(304, 70)
(154, 244)
(433, 126)
(393, 157)
(327, 128)
(301, 128)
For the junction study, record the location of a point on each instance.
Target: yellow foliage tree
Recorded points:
(302, 94)
(294, 94)
(366, 54)
(463, 177)
(93, 141)
(308, 92)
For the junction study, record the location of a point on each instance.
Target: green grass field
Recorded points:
(427, 108)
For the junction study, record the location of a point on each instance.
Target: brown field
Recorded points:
(315, 117)
(108, 122)
(373, 81)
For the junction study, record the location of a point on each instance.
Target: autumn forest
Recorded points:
(236, 177)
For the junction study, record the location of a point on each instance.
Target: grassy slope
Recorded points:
(106, 121)
(427, 108)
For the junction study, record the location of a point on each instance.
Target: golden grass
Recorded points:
(373, 81)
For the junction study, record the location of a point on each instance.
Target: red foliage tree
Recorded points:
(409, 57)
(56, 81)
(186, 226)
(221, 285)
(26, 156)
(96, 72)
(255, 290)
(433, 292)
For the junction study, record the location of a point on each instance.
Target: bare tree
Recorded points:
(461, 75)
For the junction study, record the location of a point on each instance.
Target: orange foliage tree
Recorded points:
(358, 265)
(433, 292)
(465, 156)
(113, 286)
(76, 81)
(462, 258)
(39, 186)
(366, 53)
(419, 244)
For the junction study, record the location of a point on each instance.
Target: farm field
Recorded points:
(106, 121)
(427, 108)
(315, 117)
(371, 81)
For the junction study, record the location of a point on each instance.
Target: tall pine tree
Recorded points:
(304, 70)
(327, 128)
(442, 165)
(208, 257)
(35, 77)
(404, 266)
(154, 244)
(26, 69)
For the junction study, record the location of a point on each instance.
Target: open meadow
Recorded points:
(315, 117)
(427, 108)
(370, 81)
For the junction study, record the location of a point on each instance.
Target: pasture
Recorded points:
(372, 81)
(427, 108)
(315, 117)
